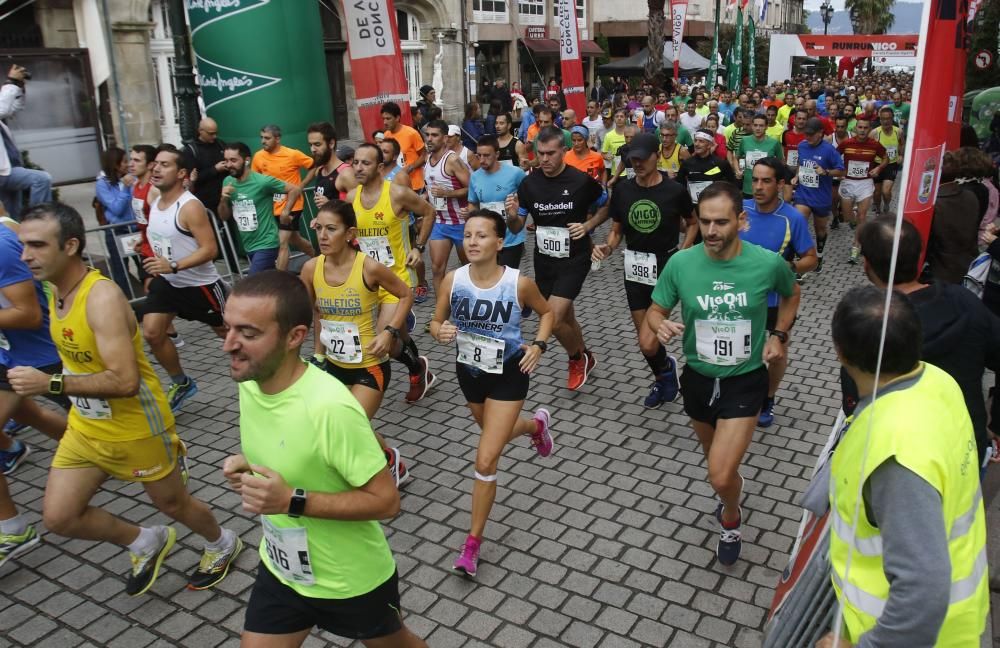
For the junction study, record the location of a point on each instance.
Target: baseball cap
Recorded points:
(813, 126)
(643, 145)
(454, 130)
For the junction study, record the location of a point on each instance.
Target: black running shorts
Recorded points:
(197, 303)
(293, 225)
(561, 277)
(511, 256)
(888, 173)
(707, 400)
(477, 386)
(375, 377)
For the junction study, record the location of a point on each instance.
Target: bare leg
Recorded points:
(67, 511)
(566, 328)
(284, 237)
(170, 496)
(440, 252)
(154, 330)
(724, 458)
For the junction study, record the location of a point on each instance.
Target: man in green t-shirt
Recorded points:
(723, 285)
(314, 473)
(900, 110)
(756, 147)
(684, 137)
(248, 198)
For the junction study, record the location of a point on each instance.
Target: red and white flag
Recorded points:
(570, 57)
(678, 13)
(376, 62)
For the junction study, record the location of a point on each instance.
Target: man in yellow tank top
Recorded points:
(120, 424)
(381, 208)
(892, 138)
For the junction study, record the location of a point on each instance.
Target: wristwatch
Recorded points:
(173, 267)
(56, 385)
(781, 335)
(541, 344)
(393, 330)
(421, 247)
(297, 505)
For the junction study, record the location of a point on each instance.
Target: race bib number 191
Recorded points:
(723, 342)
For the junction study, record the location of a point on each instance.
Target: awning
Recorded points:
(551, 46)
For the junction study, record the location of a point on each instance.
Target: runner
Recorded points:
(382, 212)
(894, 141)
(489, 187)
(285, 164)
(314, 473)
(703, 168)
(840, 134)
(775, 225)
(614, 139)
(723, 285)
(334, 177)
(559, 200)
(447, 180)
(140, 164)
(120, 425)
(671, 153)
(858, 187)
(649, 212)
(493, 362)
(819, 163)
(344, 285)
(511, 149)
(392, 171)
(581, 157)
(790, 143)
(622, 166)
(248, 198)
(755, 147)
(185, 282)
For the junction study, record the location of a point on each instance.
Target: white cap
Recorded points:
(454, 130)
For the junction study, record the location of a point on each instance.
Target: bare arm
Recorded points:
(690, 232)
(225, 208)
(402, 178)
(194, 219)
(346, 180)
(443, 309)
(293, 191)
(419, 162)
(459, 170)
(379, 275)
(24, 311)
(306, 276)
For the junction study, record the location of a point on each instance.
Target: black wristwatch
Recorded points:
(56, 385)
(173, 267)
(297, 505)
(393, 330)
(421, 247)
(541, 344)
(781, 335)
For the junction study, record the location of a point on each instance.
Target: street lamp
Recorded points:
(826, 13)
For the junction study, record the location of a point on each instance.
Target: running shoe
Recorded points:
(730, 539)
(666, 387)
(180, 392)
(14, 545)
(397, 470)
(146, 567)
(13, 427)
(214, 566)
(855, 255)
(176, 338)
(579, 370)
(411, 322)
(819, 265)
(11, 459)
(835, 224)
(421, 383)
(766, 417)
(420, 294)
(542, 438)
(468, 558)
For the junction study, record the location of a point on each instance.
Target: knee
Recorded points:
(153, 334)
(722, 480)
(649, 345)
(486, 463)
(173, 505)
(59, 522)
(44, 179)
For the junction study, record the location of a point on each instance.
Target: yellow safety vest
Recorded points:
(920, 421)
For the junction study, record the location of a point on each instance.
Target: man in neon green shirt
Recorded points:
(313, 471)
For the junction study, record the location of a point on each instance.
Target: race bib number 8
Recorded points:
(857, 170)
(808, 177)
(377, 247)
(480, 351)
(288, 552)
(640, 267)
(723, 342)
(342, 341)
(553, 241)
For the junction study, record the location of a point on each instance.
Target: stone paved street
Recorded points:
(609, 542)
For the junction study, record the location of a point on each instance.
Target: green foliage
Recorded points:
(727, 34)
(870, 16)
(984, 36)
(602, 40)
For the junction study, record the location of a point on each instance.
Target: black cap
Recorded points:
(813, 125)
(643, 145)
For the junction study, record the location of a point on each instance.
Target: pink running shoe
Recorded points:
(542, 438)
(468, 559)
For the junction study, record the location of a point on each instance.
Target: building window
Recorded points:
(531, 12)
(161, 48)
(494, 11)
(581, 11)
(412, 48)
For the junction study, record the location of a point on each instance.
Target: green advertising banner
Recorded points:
(261, 62)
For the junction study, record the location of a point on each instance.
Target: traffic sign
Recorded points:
(984, 59)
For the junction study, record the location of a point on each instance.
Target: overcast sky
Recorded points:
(813, 5)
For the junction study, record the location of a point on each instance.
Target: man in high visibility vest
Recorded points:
(917, 546)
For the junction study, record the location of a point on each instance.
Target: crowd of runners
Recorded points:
(710, 196)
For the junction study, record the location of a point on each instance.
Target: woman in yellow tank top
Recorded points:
(344, 285)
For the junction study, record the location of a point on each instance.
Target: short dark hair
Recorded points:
(368, 145)
(780, 170)
(549, 111)
(489, 140)
(240, 148)
(395, 146)
(549, 134)
(110, 161)
(756, 117)
(66, 217)
(325, 129)
(273, 129)
(148, 151)
(292, 306)
(344, 210)
(392, 108)
(726, 189)
(803, 111)
(182, 157)
(499, 224)
(437, 124)
(876, 238)
(857, 331)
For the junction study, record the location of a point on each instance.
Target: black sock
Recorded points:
(657, 362)
(820, 243)
(409, 356)
(576, 356)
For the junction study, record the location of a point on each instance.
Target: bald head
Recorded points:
(569, 118)
(208, 130)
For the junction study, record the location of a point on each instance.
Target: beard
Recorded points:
(258, 370)
(321, 160)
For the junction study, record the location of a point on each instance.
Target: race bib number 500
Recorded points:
(553, 241)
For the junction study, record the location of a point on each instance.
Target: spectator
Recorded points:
(491, 116)
(14, 177)
(553, 89)
(472, 126)
(114, 198)
(500, 93)
(428, 97)
(953, 241)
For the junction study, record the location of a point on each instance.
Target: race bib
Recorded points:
(378, 248)
(808, 177)
(139, 210)
(497, 207)
(90, 407)
(722, 342)
(640, 267)
(160, 244)
(630, 173)
(342, 341)
(440, 202)
(792, 158)
(857, 169)
(753, 156)
(4, 342)
(891, 152)
(279, 197)
(245, 213)
(128, 244)
(695, 189)
(743, 164)
(553, 241)
(480, 351)
(288, 552)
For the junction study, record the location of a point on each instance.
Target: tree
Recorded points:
(984, 36)
(870, 16)
(654, 42)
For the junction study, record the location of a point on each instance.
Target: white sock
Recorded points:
(224, 543)
(147, 541)
(14, 526)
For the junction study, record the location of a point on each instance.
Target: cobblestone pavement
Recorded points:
(609, 542)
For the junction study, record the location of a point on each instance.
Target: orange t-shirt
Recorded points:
(410, 143)
(592, 163)
(284, 164)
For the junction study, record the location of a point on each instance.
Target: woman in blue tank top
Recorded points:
(479, 307)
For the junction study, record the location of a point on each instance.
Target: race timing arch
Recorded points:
(886, 49)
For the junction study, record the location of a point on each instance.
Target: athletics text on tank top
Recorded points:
(490, 318)
(447, 210)
(347, 315)
(382, 235)
(171, 242)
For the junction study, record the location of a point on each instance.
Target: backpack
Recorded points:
(978, 272)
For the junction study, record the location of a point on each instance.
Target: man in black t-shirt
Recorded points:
(649, 211)
(560, 199)
(704, 167)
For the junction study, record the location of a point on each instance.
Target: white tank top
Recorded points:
(171, 242)
(449, 210)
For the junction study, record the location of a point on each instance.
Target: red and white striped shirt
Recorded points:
(448, 210)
